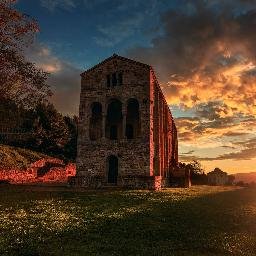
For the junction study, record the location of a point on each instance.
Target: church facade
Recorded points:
(126, 134)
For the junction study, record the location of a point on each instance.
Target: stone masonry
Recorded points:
(126, 133)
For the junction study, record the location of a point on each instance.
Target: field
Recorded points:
(198, 221)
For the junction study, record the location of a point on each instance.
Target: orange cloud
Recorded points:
(233, 85)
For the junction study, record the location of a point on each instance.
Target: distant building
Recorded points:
(217, 177)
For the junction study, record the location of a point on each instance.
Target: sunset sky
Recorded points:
(204, 54)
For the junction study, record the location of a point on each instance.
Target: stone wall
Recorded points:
(164, 142)
(133, 155)
(126, 181)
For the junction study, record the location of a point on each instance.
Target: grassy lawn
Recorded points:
(198, 221)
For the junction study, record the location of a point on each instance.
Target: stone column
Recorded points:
(104, 125)
(104, 116)
(124, 114)
(124, 125)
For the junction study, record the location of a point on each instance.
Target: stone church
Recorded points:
(126, 134)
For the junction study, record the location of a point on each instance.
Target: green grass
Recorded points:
(17, 158)
(198, 221)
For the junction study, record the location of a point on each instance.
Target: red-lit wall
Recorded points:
(163, 133)
(59, 174)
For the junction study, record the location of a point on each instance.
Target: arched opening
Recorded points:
(112, 168)
(132, 119)
(95, 129)
(114, 120)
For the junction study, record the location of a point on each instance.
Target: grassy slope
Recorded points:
(17, 158)
(197, 221)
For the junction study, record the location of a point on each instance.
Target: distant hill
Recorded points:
(245, 177)
(17, 158)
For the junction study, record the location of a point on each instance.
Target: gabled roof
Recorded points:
(115, 56)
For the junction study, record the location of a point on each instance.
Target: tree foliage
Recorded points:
(24, 91)
(53, 133)
(20, 80)
(197, 173)
(194, 166)
(42, 129)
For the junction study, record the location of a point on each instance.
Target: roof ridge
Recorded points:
(112, 57)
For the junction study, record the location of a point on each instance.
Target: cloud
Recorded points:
(232, 134)
(206, 54)
(247, 153)
(64, 78)
(244, 154)
(188, 153)
(213, 110)
(51, 5)
(219, 139)
(117, 32)
(205, 61)
(124, 19)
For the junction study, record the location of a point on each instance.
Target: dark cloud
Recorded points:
(244, 154)
(220, 123)
(234, 134)
(206, 53)
(212, 110)
(192, 127)
(191, 39)
(188, 153)
(248, 152)
(228, 147)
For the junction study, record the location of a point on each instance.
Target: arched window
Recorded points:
(132, 119)
(95, 130)
(114, 120)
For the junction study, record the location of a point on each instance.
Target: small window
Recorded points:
(120, 79)
(108, 81)
(114, 80)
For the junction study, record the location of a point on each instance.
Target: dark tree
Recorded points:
(50, 132)
(70, 149)
(197, 174)
(20, 80)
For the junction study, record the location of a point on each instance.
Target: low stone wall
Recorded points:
(42, 162)
(129, 182)
(18, 176)
(180, 178)
(55, 171)
(142, 182)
